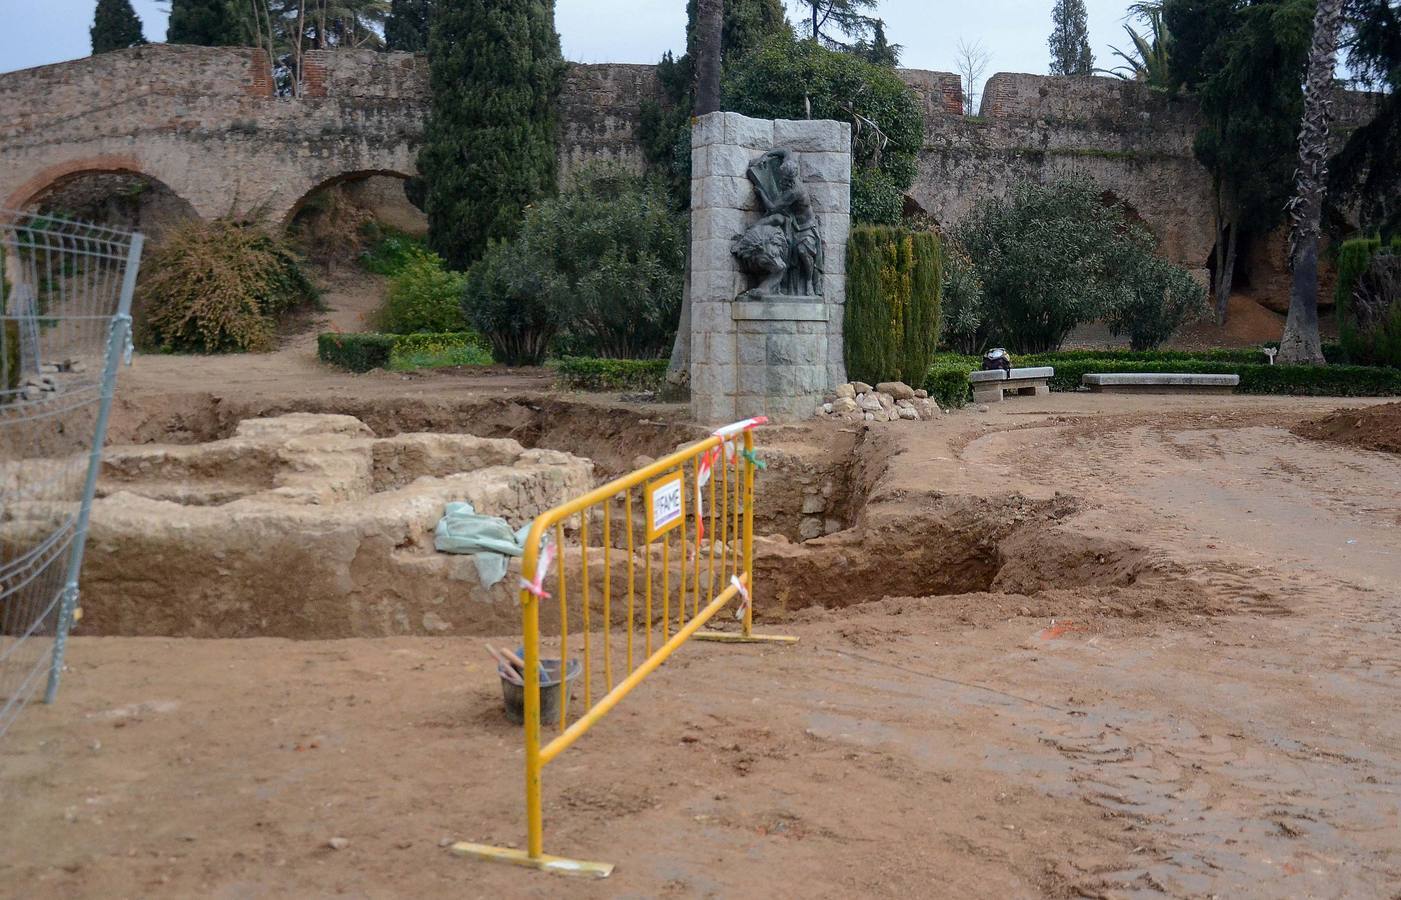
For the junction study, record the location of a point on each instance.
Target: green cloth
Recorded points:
(489, 539)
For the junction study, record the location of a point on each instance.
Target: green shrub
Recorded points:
(1052, 257)
(800, 79)
(947, 381)
(423, 297)
(218, 287)
(960, 301)
(433, 351)
(587, 374)
(356, 352)
(390, 251)
(892, 303)
(514, 302)
(604, 261)
(1369, 310)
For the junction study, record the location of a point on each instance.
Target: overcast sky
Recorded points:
(38, 32)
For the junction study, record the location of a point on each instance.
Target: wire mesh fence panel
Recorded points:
(65, 305)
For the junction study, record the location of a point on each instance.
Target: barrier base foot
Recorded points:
(734, 637)
(557, 864)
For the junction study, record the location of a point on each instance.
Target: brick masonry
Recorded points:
(771, 358)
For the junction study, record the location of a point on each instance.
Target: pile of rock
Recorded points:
(888, 401)
(46, 382)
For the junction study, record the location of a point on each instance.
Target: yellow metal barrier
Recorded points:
(703, 496)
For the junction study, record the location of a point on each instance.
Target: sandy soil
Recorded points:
(1372, 428)
(1136, 746)
(1182, 684)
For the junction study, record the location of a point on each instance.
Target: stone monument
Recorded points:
(770, 213)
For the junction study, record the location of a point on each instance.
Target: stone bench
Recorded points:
(990, 385)
(1159, 383)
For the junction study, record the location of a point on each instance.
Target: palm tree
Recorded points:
(1147, 63)
(1301, 343)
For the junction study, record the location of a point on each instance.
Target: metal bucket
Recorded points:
(513, 688)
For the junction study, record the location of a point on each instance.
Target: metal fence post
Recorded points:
(117, 337)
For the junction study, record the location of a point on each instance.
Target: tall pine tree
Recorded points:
(489, 146)
(407, 25)
(115, 26)
(1070, 39)
(210, 23)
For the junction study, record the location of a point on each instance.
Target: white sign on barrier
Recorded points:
(664, 505)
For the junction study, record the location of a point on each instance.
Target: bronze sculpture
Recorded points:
(784, 248)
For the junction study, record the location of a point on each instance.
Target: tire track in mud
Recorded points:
(1209, 814)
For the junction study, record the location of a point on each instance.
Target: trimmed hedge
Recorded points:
(589, 374)
(893, 285)
(363, 352)
(356, 352)
(947, 379)
(1255, 378)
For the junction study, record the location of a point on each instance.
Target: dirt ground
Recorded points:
(1171, 670)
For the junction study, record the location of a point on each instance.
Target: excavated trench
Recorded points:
(833, 528)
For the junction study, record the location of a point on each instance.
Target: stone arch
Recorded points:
(351, 177)
(33, 188)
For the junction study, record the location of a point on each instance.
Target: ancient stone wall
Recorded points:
(206, 122)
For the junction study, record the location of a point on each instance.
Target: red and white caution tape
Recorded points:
(743, 592)
(542, 568)
(707, 463)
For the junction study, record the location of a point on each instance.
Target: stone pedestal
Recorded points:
(775, 356)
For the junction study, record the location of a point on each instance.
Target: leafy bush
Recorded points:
(356, 352)
(1155, 299)
(1369, 308)
(423, 297)
(515, 302)
(587, 374)
(961, 300)
(217, 287)
(947, 381)
(892, 303)
(1055, 256)
(390, 251)
(604, 260)
(799, 79)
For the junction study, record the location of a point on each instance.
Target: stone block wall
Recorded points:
(773, 358)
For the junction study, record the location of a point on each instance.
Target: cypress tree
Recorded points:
(1070, 39)
(407, 25)
(115, 26)
(489, 145)
(210, 23)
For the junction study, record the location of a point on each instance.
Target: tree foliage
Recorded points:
(1367, 172)
(1149, 59)
(601, 264)
(489, 145)
(115, 26)
(210, 23)
(665, 127)
(1245, 62)
(1051, 257)
(406, 27)
(838, 24)
(788, 79)
(1070, 39)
